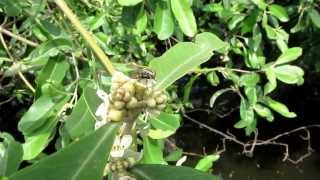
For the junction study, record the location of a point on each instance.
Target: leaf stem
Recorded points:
(86, 35)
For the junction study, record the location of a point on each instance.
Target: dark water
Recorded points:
(266, 164)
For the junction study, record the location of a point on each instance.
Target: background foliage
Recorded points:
(248, 47)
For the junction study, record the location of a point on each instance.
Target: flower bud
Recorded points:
(151, 103)
(127, 96)
(133, 103)
(115, 115)
(118, 105)
(161, 106)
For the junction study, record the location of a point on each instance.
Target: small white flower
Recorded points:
(120, 145)
(102, 111)
(181, 161)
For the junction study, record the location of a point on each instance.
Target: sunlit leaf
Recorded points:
(289, 55)
(279, 12)
(163, 22)
(212, 42)
(279, 107)
(289, 74)
(153, 151)
(205, 163)
(177, 61)
(185, 17)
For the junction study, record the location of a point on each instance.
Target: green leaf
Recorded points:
(235, 20)
(279, 107)
(36, 142)
(271, 32)
(40, 55)
(249, 80)
(279, 12)
(141, 21)
(289, 55)
(10, 154)
(185, 17)
(162, 172)
(188, 87)
(163, 22)
(260, 3)
(246, 114)
(85, 159)
(82, 119)
(129, 2)
(289, 74)
(314, 16)
(251, 93)
(264, 112)
(272, 84)
(165, 124)
(177, 61)
(36, 116)
(212, 42)
(175, 155)
(213, 78)
(11, 7)
(54, 71)
(152, 151)
(205, 164)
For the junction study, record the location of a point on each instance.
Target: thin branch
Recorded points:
(18, 37)
(252, 144)
(86, 35)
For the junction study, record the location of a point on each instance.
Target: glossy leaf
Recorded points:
(152, 151)
(163, 22)
(129, 2)
(289, 74)
(279, 12)
(185, 17)
(263, 112)
(250, 79)
(39, 139)
(246, 115)
(81, 121)
(162, 172)
(177, 61)
(279, 107)
(213, 78)
(54, 72)
(212, 42)
(10, 154)
(205, 164)
(165, 125)
(36, 116)
(82, 160)
(272, 81)
(289, 55)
